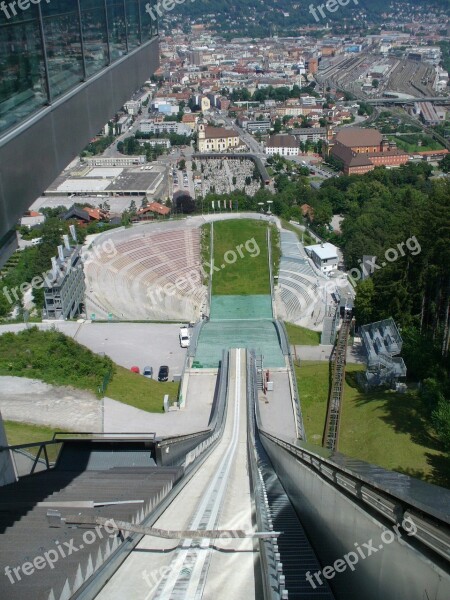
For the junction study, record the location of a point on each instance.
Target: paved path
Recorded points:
(32, 401)
(194, 417)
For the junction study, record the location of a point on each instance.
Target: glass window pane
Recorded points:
(134, 34)
(149, 19)
(62, 38)
(95, 36)
(23, 87)
(116, 25)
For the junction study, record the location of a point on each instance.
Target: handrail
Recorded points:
(272, 576)
(433, 529)
(219, 419)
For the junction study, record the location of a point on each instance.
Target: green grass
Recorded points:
(411, 147)
(300, 336)
(249, 275)
(139, 391)
(312, 381)
(52, 357)
(380, 427)
(24, 433)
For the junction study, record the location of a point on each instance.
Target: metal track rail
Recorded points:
(188, 572)
(331, 431)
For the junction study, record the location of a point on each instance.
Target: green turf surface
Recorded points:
(300, 336)
(381, 427)
(24, 433)
(241, 307)
(246, 275)
(139, 391)
(260, 336)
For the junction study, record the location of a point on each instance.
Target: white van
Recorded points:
(185, 340)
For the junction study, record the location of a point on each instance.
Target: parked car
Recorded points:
(135, 370)
(184, 338)
(163, 374)
(148, 372)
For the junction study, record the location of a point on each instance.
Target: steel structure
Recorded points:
(331, 432)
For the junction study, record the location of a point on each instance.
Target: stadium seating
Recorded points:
(154, 275)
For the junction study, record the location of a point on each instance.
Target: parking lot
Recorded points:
(128, 344)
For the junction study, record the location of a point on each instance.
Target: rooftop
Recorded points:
(356, 136)
(323, 251)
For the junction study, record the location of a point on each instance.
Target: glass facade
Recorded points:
(48, 48)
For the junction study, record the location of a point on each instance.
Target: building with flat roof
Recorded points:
(65, 287)
(324, 256)
(66, 68)
(115, 161)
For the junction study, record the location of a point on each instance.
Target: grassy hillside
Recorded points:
(140, 392)
(52, 357)
(57, 359)
(240, 254)
(381, 427)
(300, 336)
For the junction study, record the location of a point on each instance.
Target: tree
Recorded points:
(375, 83)
(132, 207)
(277, 126)
(363, 302)
(445, 163)
(182, 164)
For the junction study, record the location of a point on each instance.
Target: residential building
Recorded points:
(65, 287)
(310, 134)
(261, 126)
(123, 123)
(164, 127)
(32, 219)
(152, 211)
(282, 144)
(132, 107)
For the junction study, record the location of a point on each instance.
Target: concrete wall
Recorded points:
(7, 472)
(33, 154)
(334, 524)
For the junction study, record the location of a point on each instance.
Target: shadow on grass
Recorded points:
(405, 413)
(440, 474)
